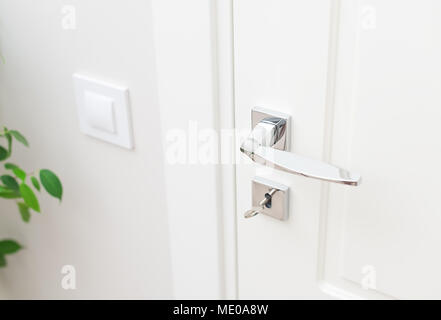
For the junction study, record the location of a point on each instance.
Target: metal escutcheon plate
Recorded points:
(279, 202)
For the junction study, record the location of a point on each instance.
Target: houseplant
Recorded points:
(22, 187)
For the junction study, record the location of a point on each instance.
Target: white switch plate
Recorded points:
(99, 111)
(103, 110)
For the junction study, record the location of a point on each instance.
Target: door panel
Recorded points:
(281, 57)
(387, 127)
(362, 83)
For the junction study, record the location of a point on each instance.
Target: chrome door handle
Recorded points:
(267, 132)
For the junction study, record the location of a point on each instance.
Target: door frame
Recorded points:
(195, 37)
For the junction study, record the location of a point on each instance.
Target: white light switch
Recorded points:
(103, 111)
(99, 111)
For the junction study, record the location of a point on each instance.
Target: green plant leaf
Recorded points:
(4, 154)
(9, 139)
(24, 211)
(9, 247)
(2, 261)
(29, 197)
(9, 193)
(51, 183)
(35, 183)
(10, 182)
(10, 166)
(19, 173)
(19, 137)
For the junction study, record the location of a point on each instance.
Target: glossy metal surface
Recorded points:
(267, 133)
(256, 210)
(265, 191)
(258, 114)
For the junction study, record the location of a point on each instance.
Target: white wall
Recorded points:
(112, 224)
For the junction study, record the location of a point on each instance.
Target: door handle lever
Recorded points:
(259, 147)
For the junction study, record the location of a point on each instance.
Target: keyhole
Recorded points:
(269, 197)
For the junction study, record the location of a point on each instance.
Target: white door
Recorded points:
(361, 80)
